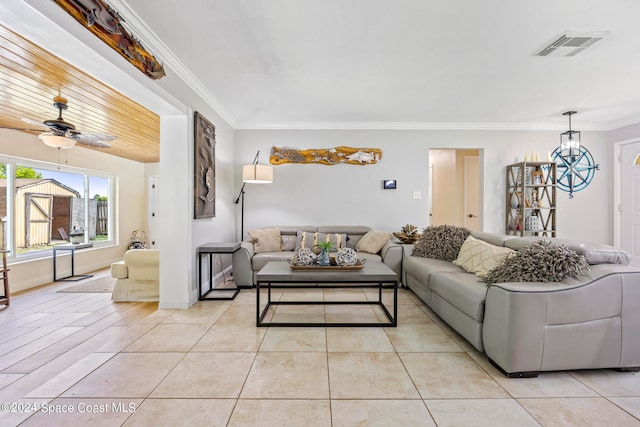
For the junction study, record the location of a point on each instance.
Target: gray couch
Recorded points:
(583, 322)
(246, 262)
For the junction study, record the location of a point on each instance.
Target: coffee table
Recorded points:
(280, 275)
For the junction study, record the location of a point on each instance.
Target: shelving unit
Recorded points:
(531, 199)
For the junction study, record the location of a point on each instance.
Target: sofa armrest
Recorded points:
(391, 254)
(119, 270)
(143, 264)
(242, 264)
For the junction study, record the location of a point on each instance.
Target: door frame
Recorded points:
(465, 206)
(617, 188)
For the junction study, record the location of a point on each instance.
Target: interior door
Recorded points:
(471, 193)
(630, 200)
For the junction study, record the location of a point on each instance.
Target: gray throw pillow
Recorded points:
(542, 261)
(441, 242)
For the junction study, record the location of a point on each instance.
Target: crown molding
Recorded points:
(153, 43)
(414, 126)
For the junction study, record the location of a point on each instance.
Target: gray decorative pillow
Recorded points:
(542, 261)
(441, 242)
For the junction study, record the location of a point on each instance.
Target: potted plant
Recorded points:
(323, 256)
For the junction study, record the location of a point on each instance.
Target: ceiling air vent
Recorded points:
(571, 44)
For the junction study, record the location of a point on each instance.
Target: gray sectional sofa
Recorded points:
(583, 322)
(247, 262)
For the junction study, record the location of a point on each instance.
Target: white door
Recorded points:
(153, 218)
(471, 193)
(630, 200)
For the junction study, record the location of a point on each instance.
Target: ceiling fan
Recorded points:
(63, 134)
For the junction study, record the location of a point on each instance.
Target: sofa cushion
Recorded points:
(595, 253)
(310, 240)
(266, 239)
(373, 241)
(464, 291)
(422, 268)
(441, 242)
(478, 257)
(542, 261)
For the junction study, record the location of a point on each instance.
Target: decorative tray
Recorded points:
(359, 265)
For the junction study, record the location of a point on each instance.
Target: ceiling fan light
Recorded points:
(57, 141)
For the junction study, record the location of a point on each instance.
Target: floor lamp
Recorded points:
(255, 173)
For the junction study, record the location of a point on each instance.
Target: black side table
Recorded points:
(73, 277)
(210, 249)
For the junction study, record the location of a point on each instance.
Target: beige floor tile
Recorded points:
(383, 413)
(369, 376)
(421, 338)
(450, 376)
(294, 339)
(206, 375)
(231, 337)
(182, 412)
(547, 384)
(341, 294)
(126, 375)
(201, 312)
(239, 314)
(411, 313)
(298, 314)
(309, 294)
(629, 404)
(610, 383)
(248, 297)
(84, 412)
(480, 412)
(157, 316)
(281, 413)
(351, 314)
(582, 412)
(179, 337)
(67, 378)
(283, 375)
(358, 340)
(404, 297)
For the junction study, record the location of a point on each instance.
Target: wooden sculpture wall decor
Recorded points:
(103, 21)
(326, 156)
(204, 185)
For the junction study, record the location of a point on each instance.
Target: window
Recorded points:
(53, 206)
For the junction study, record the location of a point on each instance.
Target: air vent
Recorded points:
(571, 44)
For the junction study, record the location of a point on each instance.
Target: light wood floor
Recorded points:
(78, 359)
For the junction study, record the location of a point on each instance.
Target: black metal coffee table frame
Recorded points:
(316, 281)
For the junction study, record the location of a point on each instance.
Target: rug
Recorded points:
(92, 285)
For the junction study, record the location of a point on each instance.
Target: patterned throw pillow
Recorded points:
(373, 241)
(441, 242)
(542, 261)
(266, 240)
(306, 239)
(478, 257)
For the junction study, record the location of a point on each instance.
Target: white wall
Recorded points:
(130, 209)
(348, 194)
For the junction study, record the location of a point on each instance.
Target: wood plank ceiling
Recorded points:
(29, 79)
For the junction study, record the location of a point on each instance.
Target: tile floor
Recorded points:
(73, 359)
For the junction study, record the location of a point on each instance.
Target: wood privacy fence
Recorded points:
(102, 216)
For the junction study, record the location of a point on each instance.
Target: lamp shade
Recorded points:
(56, 141)
(570, 143)
(257, 174)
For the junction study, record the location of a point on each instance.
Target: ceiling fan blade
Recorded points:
(92, 139)
(22, 129)
(35, 123)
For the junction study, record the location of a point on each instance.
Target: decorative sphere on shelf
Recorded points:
(346, 256)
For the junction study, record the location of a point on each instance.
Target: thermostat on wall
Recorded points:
(389, 184)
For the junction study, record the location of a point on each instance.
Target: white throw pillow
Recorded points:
(479, 257)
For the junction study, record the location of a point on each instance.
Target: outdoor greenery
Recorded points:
(21, 172)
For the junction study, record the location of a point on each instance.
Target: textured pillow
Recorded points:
(542, 261)
(441, 242)
(478, 257)
(266, 240)
(373, 241)
(306, 239)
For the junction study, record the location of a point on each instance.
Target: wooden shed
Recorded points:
(42, 207)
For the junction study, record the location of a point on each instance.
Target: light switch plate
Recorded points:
(417, 195)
